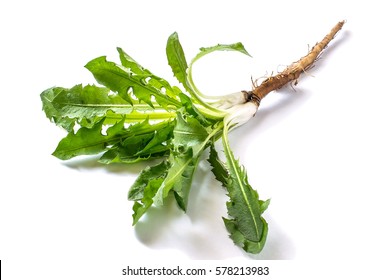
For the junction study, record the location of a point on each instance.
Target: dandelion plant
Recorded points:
(134, 115)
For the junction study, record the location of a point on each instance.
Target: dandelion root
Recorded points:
(292, 72)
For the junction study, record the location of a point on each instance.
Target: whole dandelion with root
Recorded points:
(135, 116)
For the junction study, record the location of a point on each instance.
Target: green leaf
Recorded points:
(115, 78)
(51, 112)
(179, 178)
(126, 150)
(140, 208)
(160, 141)
(239, 47)
(238, 233)
(176, 58)
(145, 187)
(126, 83)
(88, 102)
(247, 228)
(88, 141)
(154, 144)
(158, 171)
(189, 140)
(154, 81)
(188, 132)
(240, 240)
(218, 167)
(178, 63)
(128, 62)
(244, 206)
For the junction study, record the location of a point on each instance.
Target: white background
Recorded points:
(320, 152)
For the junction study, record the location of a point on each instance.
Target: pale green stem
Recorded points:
(197, 95)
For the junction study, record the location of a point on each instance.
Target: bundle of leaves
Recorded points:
(136, 116)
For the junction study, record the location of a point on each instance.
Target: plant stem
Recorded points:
(292, 72)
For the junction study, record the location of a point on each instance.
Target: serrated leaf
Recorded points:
(140, 208)
(222, 175)
(88, 141)
(89, 102)
(125, 151)
(179, 178)
(189, 140)
(243, 205)
(218, 167)
(240, 240)
(144, 146)
(188, 132)
(160, 141)
(176, 58)
(121, 80)
(154, 81)
(51, 112)
(245, 211)
(239, 47)
(145, 187)
(247, 228)
(158, 171)
(128, 62)
(115, 78)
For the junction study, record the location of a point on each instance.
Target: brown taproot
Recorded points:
(292, 72)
